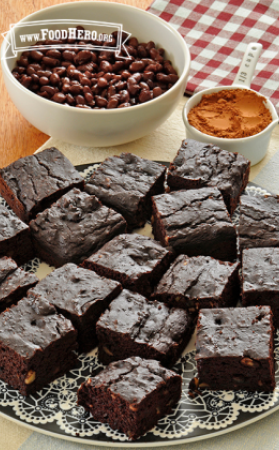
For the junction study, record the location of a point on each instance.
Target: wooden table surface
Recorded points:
(18, 137)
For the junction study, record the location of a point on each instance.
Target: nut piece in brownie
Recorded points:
(259, 221)
(37, 345)
(73, 228)
(260, 279)
(137, 261)
(31, 184)
(131, 395)
(14, 282)
(134, 326)
(198, 165)
(199, 282)
(15, 237)
(81, 296)
(126, 183)
(194, 222)
(235, 349)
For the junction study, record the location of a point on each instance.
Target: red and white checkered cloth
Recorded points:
(217, 33)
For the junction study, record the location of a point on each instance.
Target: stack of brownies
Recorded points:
(137, 298)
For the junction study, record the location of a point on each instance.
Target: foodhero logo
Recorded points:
(63, 34)
(71, 33)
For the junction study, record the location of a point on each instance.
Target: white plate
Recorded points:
(54, 411)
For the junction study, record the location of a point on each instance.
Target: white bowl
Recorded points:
(103, 127)
(253, 147)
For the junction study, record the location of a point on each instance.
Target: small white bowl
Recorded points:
(253, 147)
(101, 128)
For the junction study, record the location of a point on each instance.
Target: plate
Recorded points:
(54, 411)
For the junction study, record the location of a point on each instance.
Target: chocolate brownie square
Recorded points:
(194, 222)
(31, 184)
(15, 237)
(259, 221)
(199, 165)
(37, 345)
(134, 326)
(235, 349)
(73, 228)
(260, 279)
(131, 395)
(81, 296)
(14, 282)
(126, 183)
(137, 261)
(199, 282)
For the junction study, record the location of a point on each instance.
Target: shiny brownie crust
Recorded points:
(73, 228)
(14, 282)
(134, 326)
(259, 221)
(37, 345)
(137, 262)
(199, 165)
(31, 184)
(15, 237)
(81, 296)
(235, 349)
(194, 222)
(199, 282)
(260, 279)
(126, 183)
(131, 395)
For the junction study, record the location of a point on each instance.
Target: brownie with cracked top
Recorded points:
(235, 349)
(126, 183)
(137, 262)
(73, 228)
(259, 221)
(134, 326)
(198, 165)
(194, 222)
(81, 296)
(199, 282)
(260, 279)
(37, 345)
(15, 237)
(31, 184)
(131, 395)
(14, 282)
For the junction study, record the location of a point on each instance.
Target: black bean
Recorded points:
(100, 101)
(145, 96)
(59, 97)
(136, 66)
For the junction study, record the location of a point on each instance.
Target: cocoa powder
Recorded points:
(235, 113)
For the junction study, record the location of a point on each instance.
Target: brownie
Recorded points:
(37, 345)
(15, 237)
(260, 279)
(81, 296)
(235, 349)
(73, 228)
(126, 183)
(137, 261)
(199, 165)
(14, 282)
(31, 184)
(259, 221)
(199, 282)
(134, 326)
(131, 395)
(194, 222)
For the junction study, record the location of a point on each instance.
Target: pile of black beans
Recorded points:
(92, 79)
